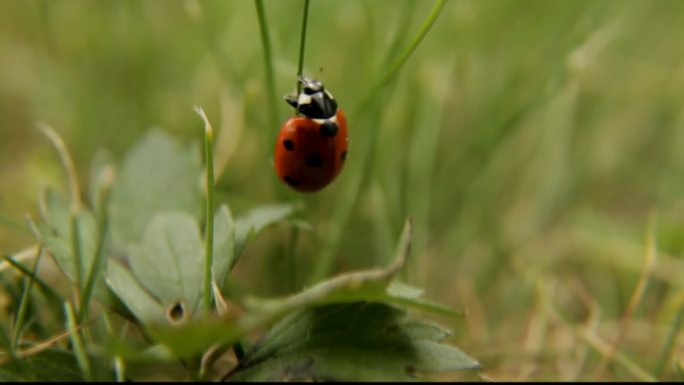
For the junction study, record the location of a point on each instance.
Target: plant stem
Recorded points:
(396, 66)
(76, 253)
(268, 62)
(77, 343)
(666, 353)
(96, 265)
(23, 304)
(209, 235)
(302, 45)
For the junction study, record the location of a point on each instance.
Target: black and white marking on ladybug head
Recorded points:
(314, 101)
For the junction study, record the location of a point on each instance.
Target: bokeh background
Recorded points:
(538, 146)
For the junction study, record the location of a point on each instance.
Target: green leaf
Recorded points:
(257, 220)
(186, 340)
(157, 175)
(170, 261)
(401, 294)
(57, 233)
(224, 244)
(351, 342)
(349, 287)
(114, 346)
(143, 305)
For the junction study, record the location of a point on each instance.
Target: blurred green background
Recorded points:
(536, 144)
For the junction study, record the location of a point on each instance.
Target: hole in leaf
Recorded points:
(176, 312)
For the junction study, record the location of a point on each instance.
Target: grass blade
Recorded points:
(76, 342)
(209, 228)
(666, 353)
(23, 304)
(49, 293)
(268, 62)
(96, 266)
(396, 66)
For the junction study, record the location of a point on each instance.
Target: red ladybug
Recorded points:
(311, 149)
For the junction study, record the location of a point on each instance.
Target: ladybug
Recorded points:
(311, 149)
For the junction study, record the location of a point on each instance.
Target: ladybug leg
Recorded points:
(292, 100)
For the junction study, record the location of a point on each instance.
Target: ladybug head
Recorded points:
(314, 101)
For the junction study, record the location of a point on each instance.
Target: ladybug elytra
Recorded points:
(311, 149)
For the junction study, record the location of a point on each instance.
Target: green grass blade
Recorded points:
(666, 353)
(209, 228)
(406, 54)
(96, 267)
(48, 291)
(76, 252)
(23, 304)
(76, 342)
(268, 62)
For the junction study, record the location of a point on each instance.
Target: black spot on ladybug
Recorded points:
(289, 146)
(328, 129)
(343, 156)
(291, 181)
(314, 160)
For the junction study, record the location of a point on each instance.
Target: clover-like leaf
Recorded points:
(358, 341)
(258, 219)
(141, 303)
(158, 174)
(170, 261)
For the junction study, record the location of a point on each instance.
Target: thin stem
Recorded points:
(666, 353)
(268, 61)
(96, 265)
(23, 304)
(77, 343)
(49, 292)
(396, 66)
(302, 45)
(634, 301)
(209, 236)
(76, 252)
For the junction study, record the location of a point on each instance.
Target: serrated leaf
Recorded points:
(141, 303)
(224, 244)
(257, 220)
(157, 175)
(57, 234)
(346, 288)
(350, 342)
(349, 287)
(170, 261)
(401, 294)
